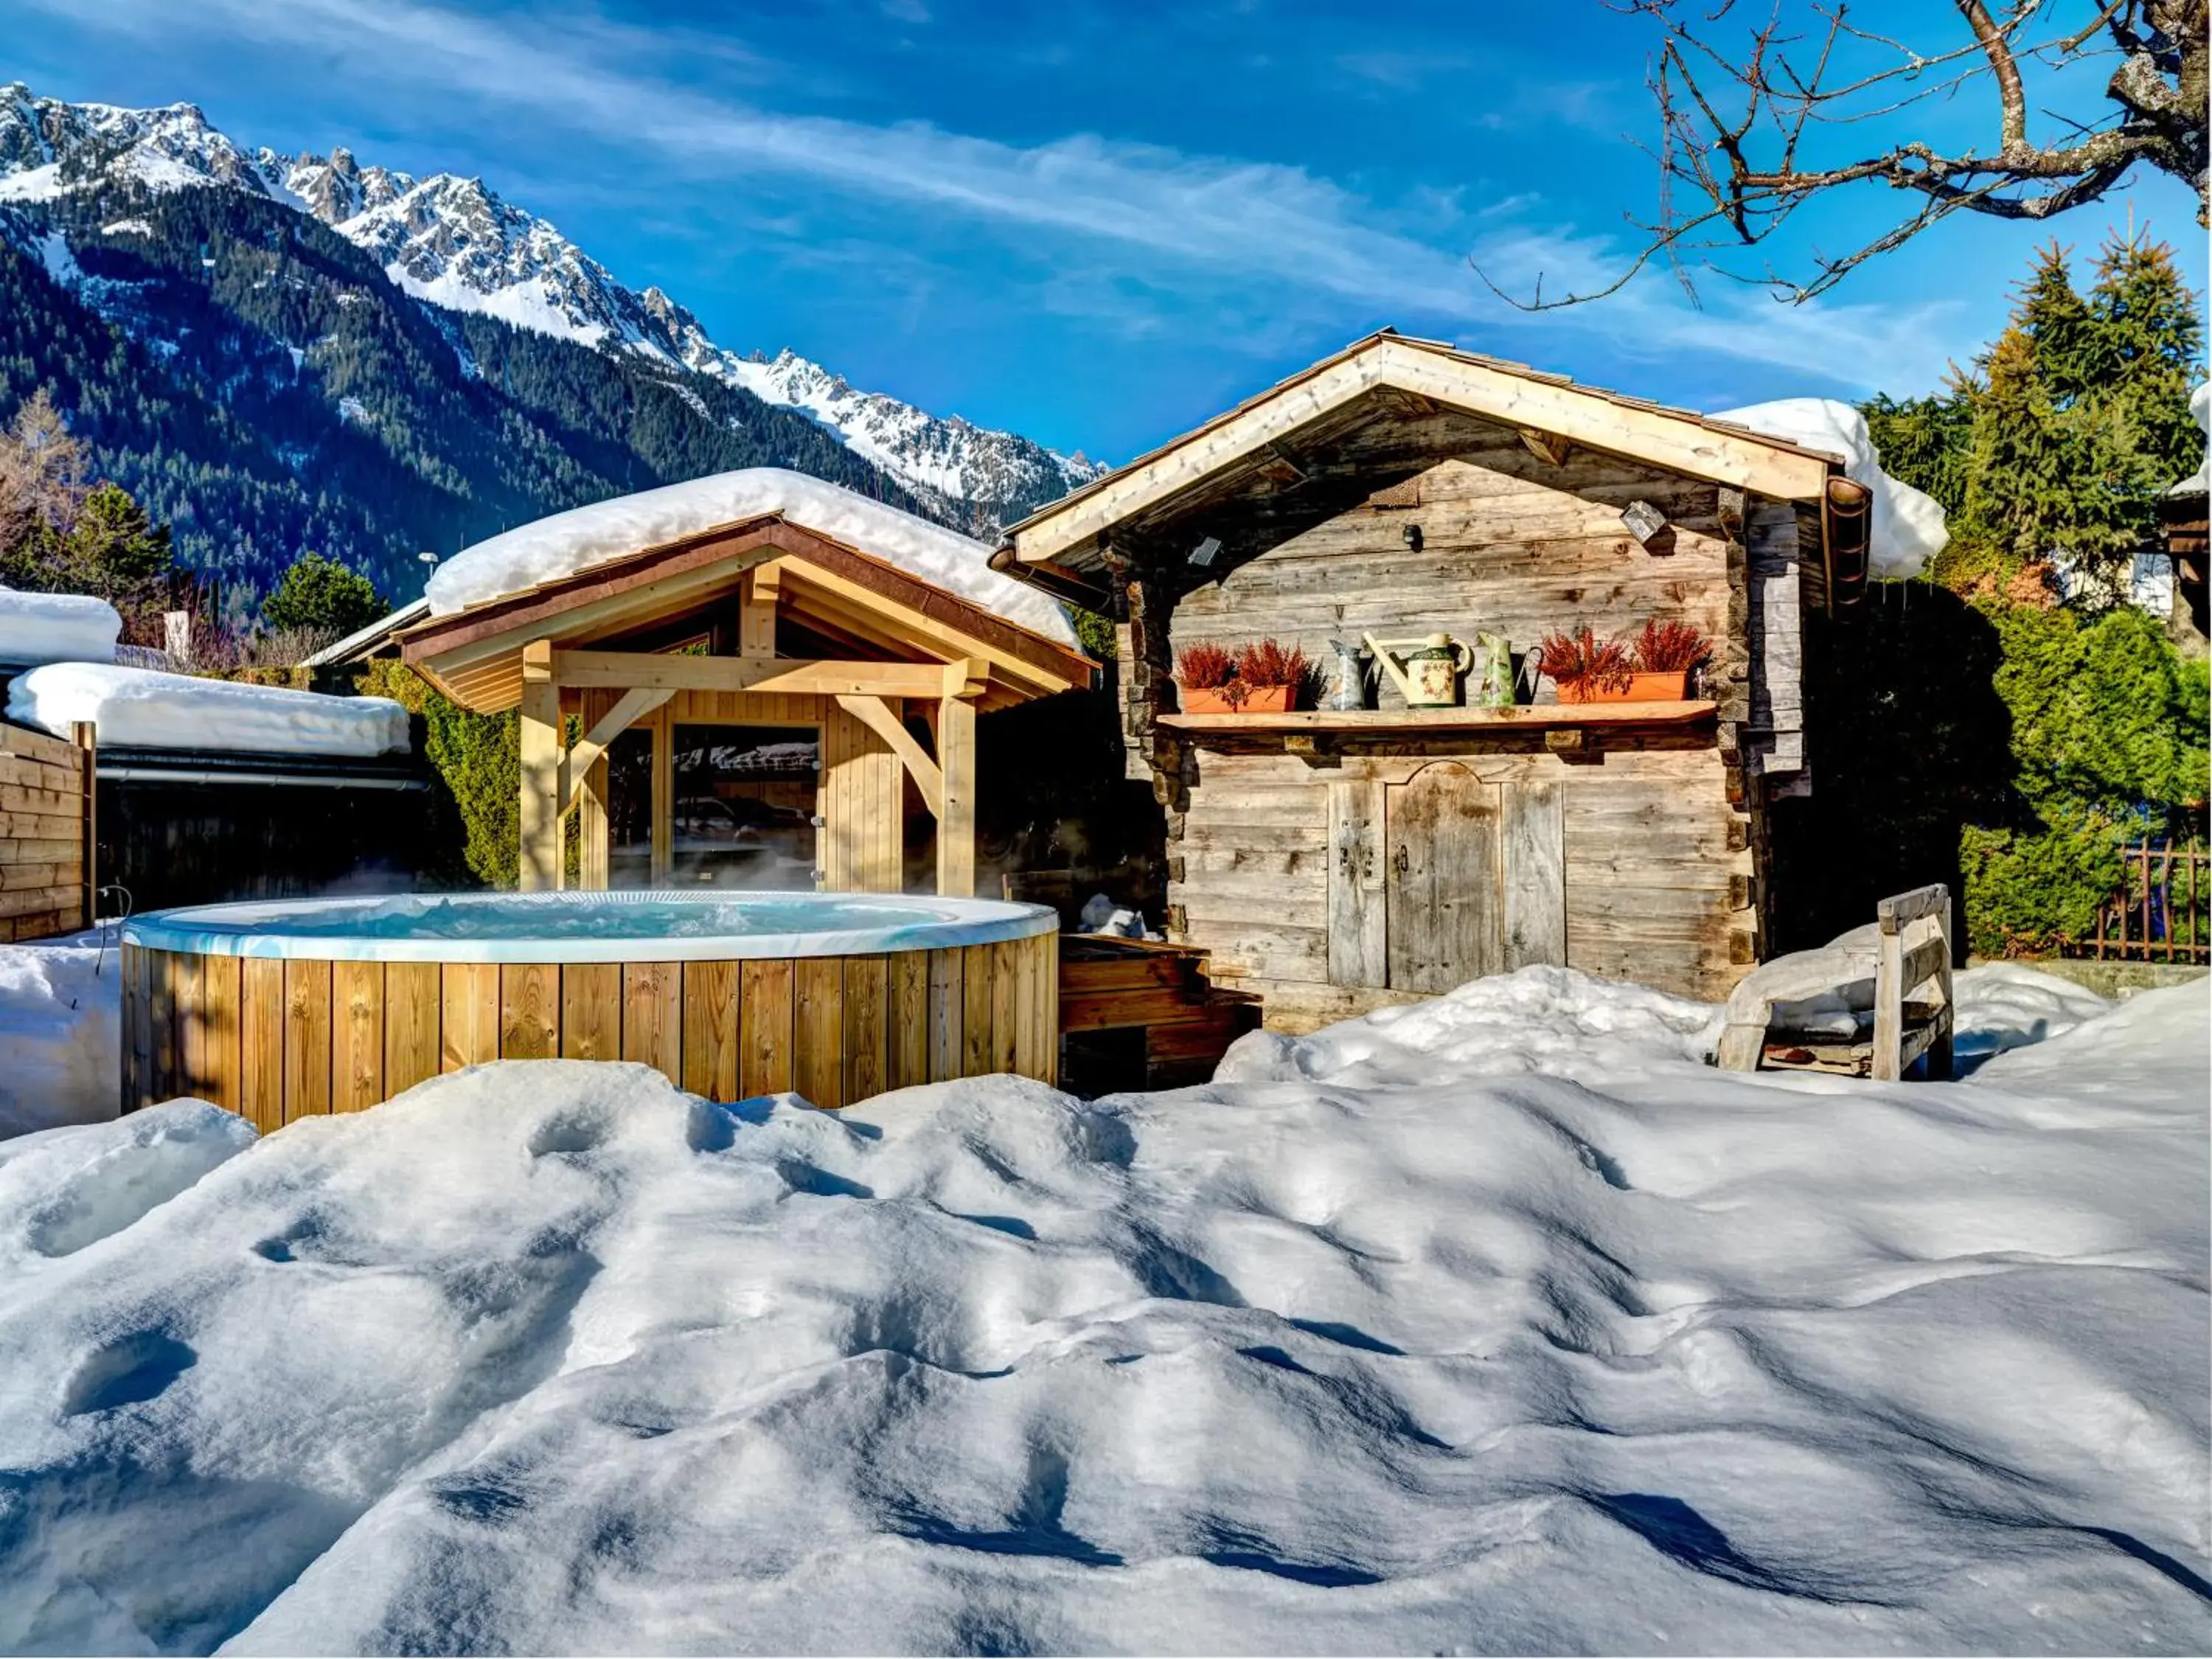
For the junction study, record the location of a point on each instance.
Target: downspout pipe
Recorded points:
(1847, 524)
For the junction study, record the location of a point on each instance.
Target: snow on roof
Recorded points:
(144, 709)
(1908, 525)
(39, 627)
(569, 542)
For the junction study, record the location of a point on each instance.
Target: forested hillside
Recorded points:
(259, 384)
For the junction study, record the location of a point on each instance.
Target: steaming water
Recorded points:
(582, 924)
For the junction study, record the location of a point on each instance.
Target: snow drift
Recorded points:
(60, 1033)
(1908, 524)
(144, 708)
(38, 628)
(567, 541)
(1441, 1338)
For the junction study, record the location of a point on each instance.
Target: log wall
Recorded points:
(1658, 845)
(279, 1039)
(45, 835)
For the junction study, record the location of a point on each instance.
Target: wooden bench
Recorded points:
(1914, 1011)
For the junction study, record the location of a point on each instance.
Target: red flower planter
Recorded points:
(1258, 700)
(1672, 686)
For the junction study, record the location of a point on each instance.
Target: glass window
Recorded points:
(745, 799)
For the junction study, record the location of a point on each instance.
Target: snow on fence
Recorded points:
(2160, 913)
(46, 832)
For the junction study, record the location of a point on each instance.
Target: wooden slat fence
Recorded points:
(2163, 911)
(46, 833)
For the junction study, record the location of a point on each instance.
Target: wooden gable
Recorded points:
(815, 588)
(1262, 444)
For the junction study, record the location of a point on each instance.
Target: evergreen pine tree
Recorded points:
(322, 596)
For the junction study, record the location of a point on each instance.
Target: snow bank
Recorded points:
(1908, 525)
(144, 708)
(36, 628)
(60, 1033)
(1501, 1357)
(569, 542)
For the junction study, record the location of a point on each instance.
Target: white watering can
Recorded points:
(1426, 671)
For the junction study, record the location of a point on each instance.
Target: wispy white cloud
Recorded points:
(1222, 220)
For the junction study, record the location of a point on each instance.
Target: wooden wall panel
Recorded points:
(909, 1019)
(1645, 852)
(863, 799)
(306, 1038)
(711, 1030)
(819, 1028)
(280, 1039)
(652, 1017)
(469, 994)
(592, 1011)
(261, 1041)
(357, 1015)
(978, 1054)
(411, 1013)
(45, 804)
(188, 983)
(529, 1011)
(161, 1024)
(867, 1031)
(220, 1012)
(766, 988)
(1006, 1007)
(947, 1015)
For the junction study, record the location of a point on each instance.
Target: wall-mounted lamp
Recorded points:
(1412, 533)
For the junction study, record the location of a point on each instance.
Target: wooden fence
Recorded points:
(2163, 911)
(46, 839)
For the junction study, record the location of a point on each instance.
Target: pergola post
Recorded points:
(539, 869)
(956, 762)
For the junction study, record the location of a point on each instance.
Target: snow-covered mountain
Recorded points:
(454, 243)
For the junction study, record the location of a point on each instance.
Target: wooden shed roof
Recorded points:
(1068, 531)
(869, 607)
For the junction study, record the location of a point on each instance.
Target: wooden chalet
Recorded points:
(693, 657)
(1338, 861)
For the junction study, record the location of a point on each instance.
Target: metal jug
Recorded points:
(1427, 672)
(1347, 678)
(1490, 681)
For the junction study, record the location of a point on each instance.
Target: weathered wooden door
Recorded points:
(1442, 880)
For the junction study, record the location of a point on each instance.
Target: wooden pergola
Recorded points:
(759, 622)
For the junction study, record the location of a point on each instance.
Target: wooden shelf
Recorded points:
(1398, 722)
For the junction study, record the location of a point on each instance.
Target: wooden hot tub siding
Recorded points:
(277, 1039)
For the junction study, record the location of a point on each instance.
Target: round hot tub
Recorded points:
(288, 1008)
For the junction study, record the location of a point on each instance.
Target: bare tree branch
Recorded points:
(1747, 133)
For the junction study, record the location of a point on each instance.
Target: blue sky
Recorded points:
(1094, 223)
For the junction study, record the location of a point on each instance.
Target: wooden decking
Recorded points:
(1139, 1014)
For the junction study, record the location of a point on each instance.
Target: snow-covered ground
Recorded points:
(60, 1032)
(1495, 1323)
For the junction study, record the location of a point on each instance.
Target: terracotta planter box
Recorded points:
(1259, 700)
(1672, 686)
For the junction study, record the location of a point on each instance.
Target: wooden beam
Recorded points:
(1547, 446)
(790, 676)
(756, 628)
(640, 700)
(956, 815)
(906, 622)
(662, 820)
(967, 676)
(539, 808)
(876, 715)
